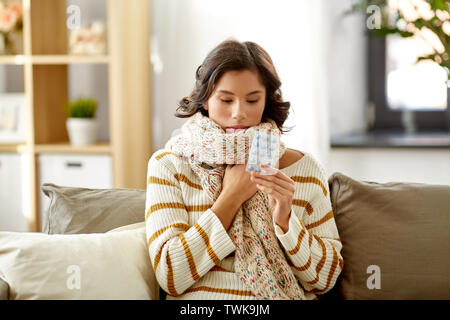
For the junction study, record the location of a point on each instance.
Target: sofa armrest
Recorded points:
(4, 290)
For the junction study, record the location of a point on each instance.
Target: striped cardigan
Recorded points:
(192, 254)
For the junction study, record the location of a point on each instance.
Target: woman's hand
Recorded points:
(237, 183)
(280, 190)
(236, 189)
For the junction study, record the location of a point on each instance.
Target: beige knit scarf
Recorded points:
(259, 260)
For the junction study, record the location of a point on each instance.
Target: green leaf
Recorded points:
(437, 4)
(82, 108)
(384, 31)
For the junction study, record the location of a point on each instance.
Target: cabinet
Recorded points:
(85, 171)
(12, 216)
(45, 61)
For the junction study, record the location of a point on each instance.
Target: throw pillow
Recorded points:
(83, 210)
(395, 239)
(114, 265)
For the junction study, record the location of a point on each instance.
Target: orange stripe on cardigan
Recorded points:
(299, 241)
(310, 179)
(305, 204)
(244, 293)
(220, 269)
(164, 205)
(176, 205)
(322, 260)
(189, 257)
(315, 224)
(302, 268)
(158, 256)
(170, 282)
(183, 226)
(330, 273)
(205, 237)
(159, 156)
(156, 180)
(182, 178)
(157, 259)
(297, 248)
(198, 207)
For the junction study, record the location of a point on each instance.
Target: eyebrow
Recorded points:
(248, 94)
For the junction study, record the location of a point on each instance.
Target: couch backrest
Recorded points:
(395, 237)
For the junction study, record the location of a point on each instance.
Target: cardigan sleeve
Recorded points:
(180, 253)
(312, 241)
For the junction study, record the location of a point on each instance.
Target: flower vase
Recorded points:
(82, 131)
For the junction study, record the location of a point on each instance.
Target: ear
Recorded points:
(205, 106)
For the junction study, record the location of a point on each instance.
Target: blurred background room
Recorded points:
(368, 83)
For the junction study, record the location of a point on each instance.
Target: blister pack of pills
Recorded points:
(264, 150)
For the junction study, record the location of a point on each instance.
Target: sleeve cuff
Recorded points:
(218, 236)
(290, 238)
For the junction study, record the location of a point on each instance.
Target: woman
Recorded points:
(217, 231)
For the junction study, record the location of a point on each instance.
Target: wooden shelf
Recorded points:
(54, 59)
(16, 148)
(46, 61)
(13, 59)
(69, 59)
(66, 147)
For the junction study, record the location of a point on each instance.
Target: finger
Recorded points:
(272, 185)
(270, 191)
(282, 183)
(276, 172)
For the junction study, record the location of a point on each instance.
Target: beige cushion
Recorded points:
(82, 210)
(132, 226)
(402, 228)
(113, 265)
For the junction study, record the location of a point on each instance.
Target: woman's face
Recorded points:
(238, 100)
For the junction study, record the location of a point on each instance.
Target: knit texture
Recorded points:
(193, 256)
(259, 261)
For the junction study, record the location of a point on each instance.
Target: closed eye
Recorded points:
(229, 101)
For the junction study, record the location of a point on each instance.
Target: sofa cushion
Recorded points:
(83, 210)
(113, 265)
(395, 237)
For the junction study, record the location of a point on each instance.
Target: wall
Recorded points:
(293, 32)
(346, 69)
(402, 165)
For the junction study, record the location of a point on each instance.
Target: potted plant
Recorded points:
(81, 123)
(412, 23)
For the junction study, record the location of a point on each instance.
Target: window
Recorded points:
(408, 95)
(405, 95)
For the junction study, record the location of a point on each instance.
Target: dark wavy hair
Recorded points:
(232, 55)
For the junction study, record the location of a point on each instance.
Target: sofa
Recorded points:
(395, 236)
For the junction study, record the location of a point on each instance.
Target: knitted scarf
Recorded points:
(259, 260)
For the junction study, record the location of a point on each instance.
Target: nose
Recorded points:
(238, 112)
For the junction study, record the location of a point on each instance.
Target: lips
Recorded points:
(235, 129)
